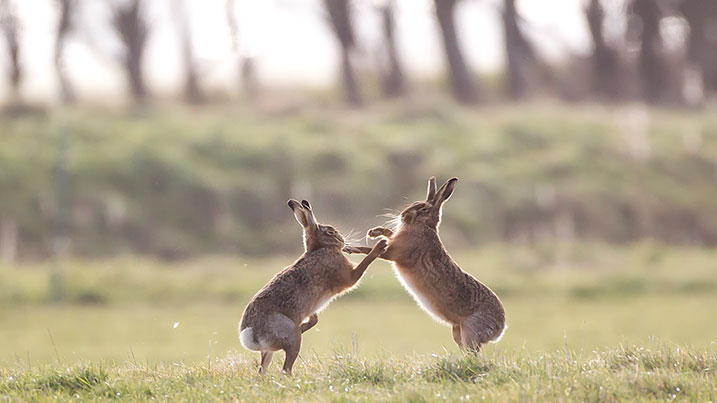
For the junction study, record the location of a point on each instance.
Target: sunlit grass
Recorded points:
(588, 322)
(654, 372)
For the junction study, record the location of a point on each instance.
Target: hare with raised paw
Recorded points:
(289, 304)
(434, 279)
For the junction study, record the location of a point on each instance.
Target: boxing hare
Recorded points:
(435, 281)
(288, 305)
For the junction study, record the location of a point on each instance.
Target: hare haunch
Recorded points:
(435, 281)
(288, 305)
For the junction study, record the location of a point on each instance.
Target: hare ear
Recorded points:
(431, 192)
(309, 212)
(446, 190)
(299, 212)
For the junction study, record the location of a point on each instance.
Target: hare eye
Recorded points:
(423, 210)
(331, 232)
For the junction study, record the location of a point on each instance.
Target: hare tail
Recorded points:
(500, 336)
(248, 340)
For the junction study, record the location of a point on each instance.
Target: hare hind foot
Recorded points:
(265, 361)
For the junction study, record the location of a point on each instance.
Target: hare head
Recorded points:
(429, 212)
(316, 236)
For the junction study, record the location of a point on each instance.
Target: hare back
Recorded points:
(301, 289)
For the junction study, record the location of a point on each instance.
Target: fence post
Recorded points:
(60, 242)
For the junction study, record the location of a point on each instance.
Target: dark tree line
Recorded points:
(249, 81)
(64, 26)
(133, 30)
(462, 83)
(394, 82)
(339, 12)
(612, 67)
(604, 59)
(10, 27)
(701, 15)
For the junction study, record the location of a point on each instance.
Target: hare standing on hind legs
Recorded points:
(436, 282)
(288, 305)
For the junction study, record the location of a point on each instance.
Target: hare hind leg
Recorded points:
(469, 342)
(479, 328)
(283, 334)
(292, 352)
(457, 335)
(265, 361)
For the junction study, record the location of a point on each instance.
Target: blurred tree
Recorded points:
(646, 14)
(701, 16)
(247, 73)
(394, 81)
(339, 12)
(605, 70)
(520, 57)
(462, 84)
(10, 25)
(133, 29)
(192, 92)
(64, 26)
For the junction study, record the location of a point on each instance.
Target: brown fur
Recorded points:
(436, 281)
(278, 313)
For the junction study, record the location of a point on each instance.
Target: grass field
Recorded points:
(181, 183)
(633, 373)
(586, 322)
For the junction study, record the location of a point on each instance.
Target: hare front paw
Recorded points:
(380, 247)
(377, 232)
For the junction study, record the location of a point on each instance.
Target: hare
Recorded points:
(289, 304)
(435, 281)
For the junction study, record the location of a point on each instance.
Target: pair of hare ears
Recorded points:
(302, 212)
(438, 197)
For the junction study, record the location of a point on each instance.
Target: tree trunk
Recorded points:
(348, 79)
(652, 68)
(247, 70)
(519, 53)
(133, 65)
(192, 91)
(67, 92)
(132, 28)
(339, 12)
(463, 87)
(394, 82)
(248, 77)
(10, 26)
(604, 59)
(701, 16)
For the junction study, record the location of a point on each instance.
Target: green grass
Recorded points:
(656, 372)
(174, 182)
(586, 322)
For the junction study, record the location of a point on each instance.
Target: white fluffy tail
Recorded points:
(500, 336)
(247, 339)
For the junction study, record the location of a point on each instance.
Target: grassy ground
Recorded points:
(180, 182)
(586, 322)
(655, 372)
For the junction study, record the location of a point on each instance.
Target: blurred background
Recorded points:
(148, 147)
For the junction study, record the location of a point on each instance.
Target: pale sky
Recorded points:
(291, 40)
